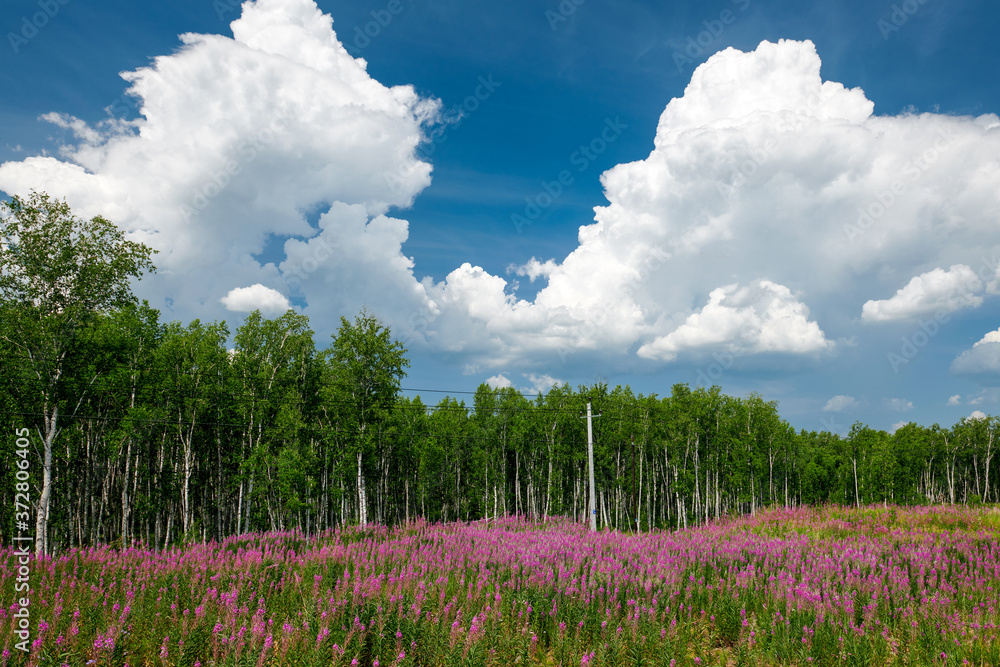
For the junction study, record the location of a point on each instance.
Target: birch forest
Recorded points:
(166, 435)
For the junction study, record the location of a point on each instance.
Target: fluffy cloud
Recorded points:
(977, 414)
(534, 269)
(269, 302)
(936, 291)
(537, 384)
(772, 204)
(955, 400)
(840, 403)
(766, 318)
(499, 381)
(982, 358)
(540, 384)
(236, 137)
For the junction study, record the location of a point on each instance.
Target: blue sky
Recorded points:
(444, 184)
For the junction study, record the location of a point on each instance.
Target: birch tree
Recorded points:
(368, 365)
(57, 273)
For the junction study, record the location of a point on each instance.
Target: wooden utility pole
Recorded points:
(634, 495)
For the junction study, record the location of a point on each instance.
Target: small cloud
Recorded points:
(955, 400)
(840, 403)
(270, 303)
(897, 426)
(977, 414)
(987, 396)
(983, 357)
(898, 404)
(764, 317)
(534, 269)
(540, 384)
(79, 128)
(929, 293)
(498, 381)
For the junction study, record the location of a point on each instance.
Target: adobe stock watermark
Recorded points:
(581, 158)
(832, 425)
(221, 177)
(911, 345)
(322, 248)
(588, 330)
(898, 17)
(34, 23)
(916, 341)
(788, 123)
(22, 516)
(381, 18)
(486, 86)
(724, 361)
(419, 325)
(912, 172)
(565, 9)
(698, 45)
(747, 168)
(223, 7)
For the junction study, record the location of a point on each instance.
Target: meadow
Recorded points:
(808, 586)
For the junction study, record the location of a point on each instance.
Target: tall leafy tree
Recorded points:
(270, 363)
(191, 362)
(368, 365)
(59, 271)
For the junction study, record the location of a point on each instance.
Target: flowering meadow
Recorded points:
(870, 586)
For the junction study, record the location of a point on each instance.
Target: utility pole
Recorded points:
(590, 463)
(635, 497)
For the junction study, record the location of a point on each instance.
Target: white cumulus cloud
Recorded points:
(499, 381)
(897, 426)
(936, 291)
(765, 318)
(236, 138)
(750, 220)
(270, 303)
(840, 403)
(540, 384)
(982, 358)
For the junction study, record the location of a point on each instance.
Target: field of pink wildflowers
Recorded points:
(827, 586)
